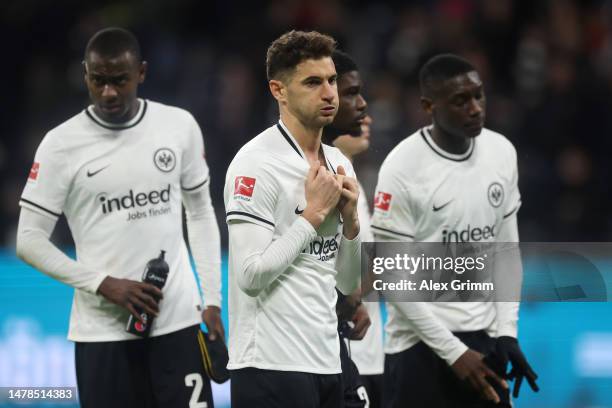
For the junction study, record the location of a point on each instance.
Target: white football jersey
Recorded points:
(425, 194)
(367, 353)
(291, 325)
(120, 189)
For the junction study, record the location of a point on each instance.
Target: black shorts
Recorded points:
(256, 388)
(162, 372)
(374, 388)
(355, 394)
(419, 378)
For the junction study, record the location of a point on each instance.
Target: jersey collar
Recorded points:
(426, 134)
(284, 131)
(142, 109)
(290, 139)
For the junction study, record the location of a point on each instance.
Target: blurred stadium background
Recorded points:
(547, 68)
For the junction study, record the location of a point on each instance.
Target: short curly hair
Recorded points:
(294, 47)
(112, 42)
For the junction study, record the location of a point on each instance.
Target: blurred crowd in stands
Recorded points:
(546, 65)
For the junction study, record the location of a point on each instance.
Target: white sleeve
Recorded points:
(513, 203)
(204, 241)
(194, 169)
(508, 266)
(35, 248)
(251, 191)
(508, 277)
(427, 326)
(394, 220)
(348, 265)
(394, 214)
(49, 180)
(260, 260)
(431, 331)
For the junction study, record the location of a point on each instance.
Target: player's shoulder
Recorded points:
(256, 151)
(407, 154)
(165, 112)
(497, 142)
(264, 143)
(71, 129)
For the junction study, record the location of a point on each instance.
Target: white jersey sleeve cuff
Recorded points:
(453, 355)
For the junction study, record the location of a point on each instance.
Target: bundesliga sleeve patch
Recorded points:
(33, 176)
(243, 188)
(382, 201)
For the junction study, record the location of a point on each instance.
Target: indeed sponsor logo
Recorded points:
(134, 200)
(469, 234)
(323, 247)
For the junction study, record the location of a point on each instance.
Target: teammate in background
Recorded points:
(119, 171)
(444, 179)
(293, 237)
(350, 132)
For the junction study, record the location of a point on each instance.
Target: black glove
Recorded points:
(508, 349)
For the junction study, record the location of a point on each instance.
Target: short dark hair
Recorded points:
(112, 42)
(291, 48)
(440, 68)
(343, 62)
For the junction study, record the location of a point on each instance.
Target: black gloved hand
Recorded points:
(508, 349)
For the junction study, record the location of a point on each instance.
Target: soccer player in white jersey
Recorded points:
(120, 171)
(451, 182)
(291, 206)
(350, 132)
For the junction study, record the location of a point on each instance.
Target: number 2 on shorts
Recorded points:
(195, 380)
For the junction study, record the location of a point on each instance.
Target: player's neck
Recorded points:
(449, 143)
(309, 139)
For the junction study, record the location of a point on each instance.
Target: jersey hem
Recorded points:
(399, 349)
(368, 372)
(276, 367)
(129, 337)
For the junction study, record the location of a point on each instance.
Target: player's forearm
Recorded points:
(350, 228)
(507, 318)
(508, 278)
(426, 325)
(431, 331)
(35, 248)
(259, 260)
(348, 265)
(205, 243)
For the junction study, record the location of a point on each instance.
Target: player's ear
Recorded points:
(84, 65)
(278, 89)
(426, 104)
(142, 72)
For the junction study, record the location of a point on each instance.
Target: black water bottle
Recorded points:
(155, 273)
